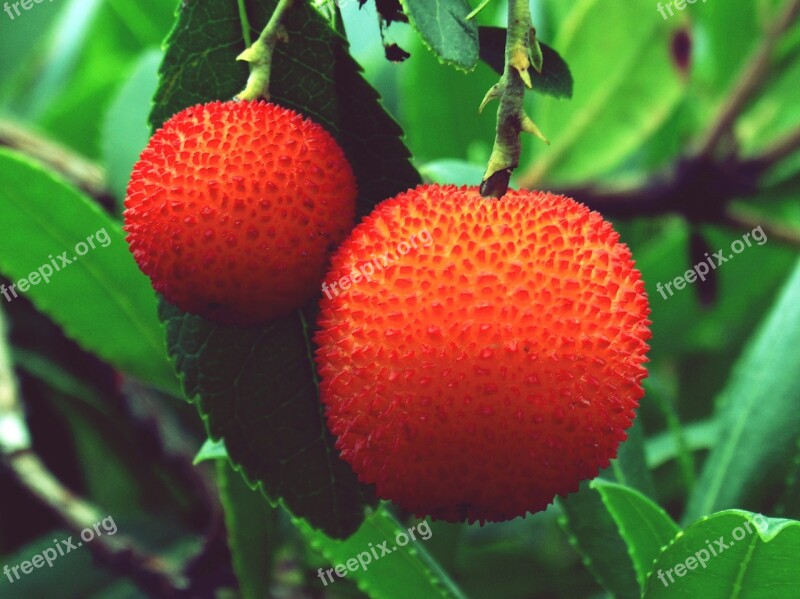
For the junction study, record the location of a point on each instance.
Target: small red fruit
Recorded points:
(233, 208)
(485, 372)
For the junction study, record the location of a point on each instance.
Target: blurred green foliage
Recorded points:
(716, 428)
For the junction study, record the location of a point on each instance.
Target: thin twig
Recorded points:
(750, 79)
(747, 220)
(781, 149)
(76, 514)
(118, 552)
(698, 189)
(76, 169)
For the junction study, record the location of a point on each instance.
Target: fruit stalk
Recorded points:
(521, 54)
(260, 53)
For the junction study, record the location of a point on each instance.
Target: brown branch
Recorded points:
(77, 170)
(747, 220)
(781, 149)
(119, 553)
(750, 79)
(700, 190)
(76, 514)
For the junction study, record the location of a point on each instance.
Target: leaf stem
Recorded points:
(245, 23)
(478, 9)
(510, 91)
(260, 53)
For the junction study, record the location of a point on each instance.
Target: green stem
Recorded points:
(260, 53)
(479, 8)
(245, 23)
(511, 117)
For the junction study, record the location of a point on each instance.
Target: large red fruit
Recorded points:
(495, 363)
(233, 208)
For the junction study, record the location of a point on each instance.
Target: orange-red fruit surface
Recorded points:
(233, 208)
(492, 361)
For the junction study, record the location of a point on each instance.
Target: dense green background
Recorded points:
(719, 430)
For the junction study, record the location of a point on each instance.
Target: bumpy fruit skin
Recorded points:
(481, 376)
(233, 208)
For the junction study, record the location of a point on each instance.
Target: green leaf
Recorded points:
(757, 559)
(444, 28)
(405, 569)
(257, 388)
(104, 40)
(660, 392)
(593, 534)
(630, 466)
(716, 68)
(123, 488)
(435, 127)
(773, 116)
(125, 132)
(664, 447)
(59, 379)
(453, 172)
(758, 413)
(252, 527)
(627, 87)
(592, 531)
(554, 80)
(100, 299)
(23, 47)
(644, 526)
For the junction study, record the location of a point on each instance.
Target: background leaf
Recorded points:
(444, 28)
(101, 299)
(757, 416)
(125, 132)
(627, 87)
(252, 532)
(435, 127)
(592, 531)
(92, 53)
